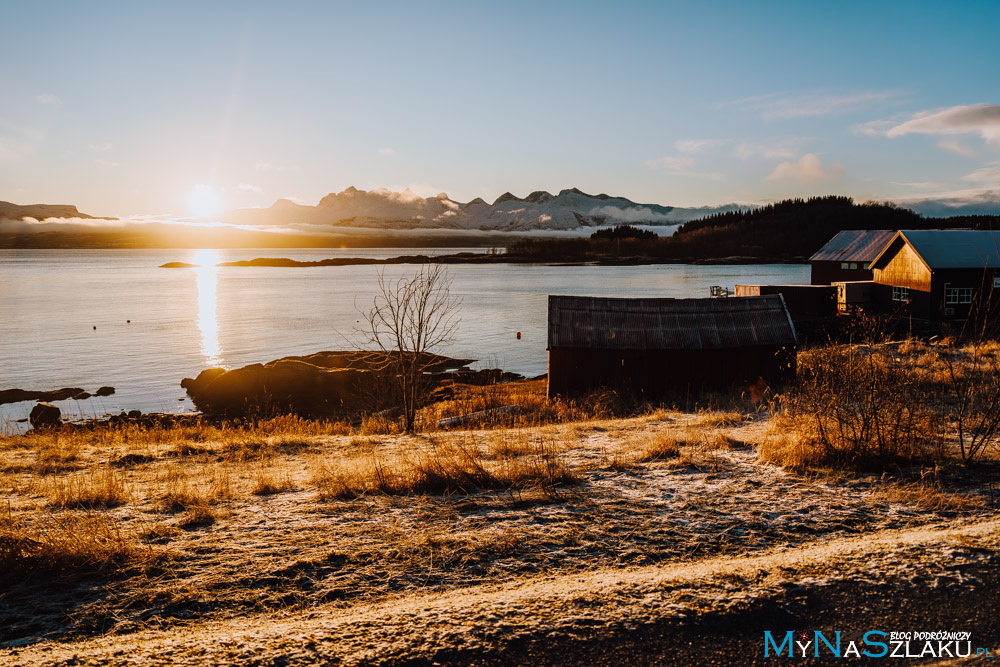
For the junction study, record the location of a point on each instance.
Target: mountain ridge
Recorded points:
(568, 210)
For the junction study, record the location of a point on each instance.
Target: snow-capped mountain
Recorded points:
(570, 209)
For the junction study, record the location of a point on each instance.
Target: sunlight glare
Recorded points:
(204, 201)
(208, 283)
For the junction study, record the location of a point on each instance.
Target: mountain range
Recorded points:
(9, 211)
(384, 209)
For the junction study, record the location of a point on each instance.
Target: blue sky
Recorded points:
(126, 108)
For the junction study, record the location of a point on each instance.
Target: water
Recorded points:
(186, 320)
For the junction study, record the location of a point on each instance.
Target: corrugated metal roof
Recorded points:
(955, 248)
(668, 324)
(854, 245)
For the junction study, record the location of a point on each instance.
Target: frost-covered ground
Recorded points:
(638, 542)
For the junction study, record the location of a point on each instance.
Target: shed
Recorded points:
(847, 255)
(656, 346)
(854, 295)
(802, 301)
(938, 274)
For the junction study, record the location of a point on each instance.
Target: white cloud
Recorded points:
(807, 169)
(957, 148)
(49, 100)
(630, 214)
(922, 185)
(989, 175)
(874, 128)
(981, 119)
(677, 163)
(102, 148)
(386, 152)
(105, 163)
(783, 105)
(247, 187)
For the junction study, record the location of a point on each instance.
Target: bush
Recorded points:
(861, 405)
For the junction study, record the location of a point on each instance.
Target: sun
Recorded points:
(204, 201)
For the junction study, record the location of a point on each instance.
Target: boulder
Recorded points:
(281, 386)
(104, 391)
(44, 415)
(315, 385)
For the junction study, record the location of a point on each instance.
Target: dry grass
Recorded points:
(370, 515)
(534, 407)
(444, 468)
(103, 487)
(268, 480)
(659, 446)
(928, 497)
(65, 543)
(785, 447)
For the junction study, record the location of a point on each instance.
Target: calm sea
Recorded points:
(156, 326)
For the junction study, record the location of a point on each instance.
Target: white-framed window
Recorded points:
(900, 293)
(953, 295)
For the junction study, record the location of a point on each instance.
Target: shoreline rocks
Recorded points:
(75, 393)
(44, 416)
(331, 383)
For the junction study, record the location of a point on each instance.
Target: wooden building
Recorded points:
(657, 346)
(845, 257)
(938, 274)
(803, 301)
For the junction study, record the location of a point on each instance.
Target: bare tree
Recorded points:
(409, 319)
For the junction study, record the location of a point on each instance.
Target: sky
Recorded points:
(150, 108)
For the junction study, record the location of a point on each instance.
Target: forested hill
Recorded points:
(787, 231)
(796, 228)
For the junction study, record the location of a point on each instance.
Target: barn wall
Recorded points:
(657, 372)
(904, 268)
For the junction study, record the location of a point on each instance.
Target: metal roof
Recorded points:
(950, 248)
(668, 324)
(854, 245)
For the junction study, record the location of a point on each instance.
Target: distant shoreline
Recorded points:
(483, 258)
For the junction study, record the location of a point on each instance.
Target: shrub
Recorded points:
(860, 405)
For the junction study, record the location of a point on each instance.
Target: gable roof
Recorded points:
(668, 324)
(948, 248)
(854, 245)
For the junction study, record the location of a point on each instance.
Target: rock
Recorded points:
(104, 391)
(321, 384)
(134, 414)
(44, 415)
(18, 395)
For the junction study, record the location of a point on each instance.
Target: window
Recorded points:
(844, 265)
(854, 265)
(900, 293)
(953, 295)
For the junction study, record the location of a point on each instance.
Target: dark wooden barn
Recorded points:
(847, 255)
(938, 274)
(803, 301)
(658, 346)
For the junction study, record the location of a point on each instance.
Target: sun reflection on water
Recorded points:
(207, 279)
